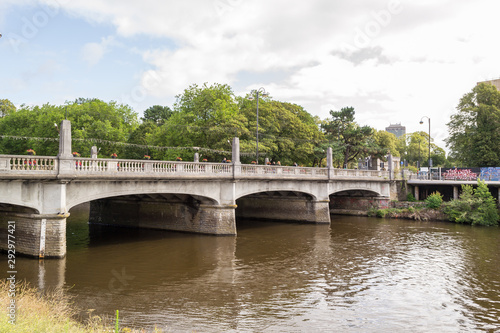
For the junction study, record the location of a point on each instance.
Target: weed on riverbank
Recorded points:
(32, 311)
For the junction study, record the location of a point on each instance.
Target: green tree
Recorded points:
(356, 141)
(475, 206)
(474, 138)
(387, 140)
(207, 117)
(6, 107)
(157, 114)
(93, 122)
(287, 132)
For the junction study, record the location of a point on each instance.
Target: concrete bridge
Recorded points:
(37, 192)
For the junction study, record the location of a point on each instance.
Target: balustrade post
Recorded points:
(112, 166)
(236, 163)
(329, 162)
(148, 167)
(65, 157)
(5, 163)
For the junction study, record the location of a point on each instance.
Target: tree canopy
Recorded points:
(352, 140)
(90, 119)
(474, 131)
(204, 119)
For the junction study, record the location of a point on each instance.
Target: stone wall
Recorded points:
(358, 203)
(27, 233)
(187, 217)
(283, 209)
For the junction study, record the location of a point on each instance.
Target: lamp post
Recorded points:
(430, 160)
(264, 93)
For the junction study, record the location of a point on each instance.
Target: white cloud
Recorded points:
(391, 65)
(92, 53)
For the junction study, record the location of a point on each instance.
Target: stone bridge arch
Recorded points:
(305, 202)
(81, 192)
(360, 199)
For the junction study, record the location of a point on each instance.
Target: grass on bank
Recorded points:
(34, 312)
(48, 312)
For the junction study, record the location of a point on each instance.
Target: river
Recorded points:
(358, 274)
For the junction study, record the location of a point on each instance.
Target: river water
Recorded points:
(357, 275)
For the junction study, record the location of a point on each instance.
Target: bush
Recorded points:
(410, 198)
(477, 207)
(434, 200)
(382, 212)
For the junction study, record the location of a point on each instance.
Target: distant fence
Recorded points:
(487, 173)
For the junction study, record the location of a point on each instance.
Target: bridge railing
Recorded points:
(86, 165)
(48, 165)
(28, 163)
(259, 170)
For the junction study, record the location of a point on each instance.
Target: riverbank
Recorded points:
(416, 212)
(27, 310)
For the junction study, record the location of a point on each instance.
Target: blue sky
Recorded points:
(393, 61)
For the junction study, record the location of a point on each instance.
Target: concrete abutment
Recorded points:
(33, 235)
(175, 216)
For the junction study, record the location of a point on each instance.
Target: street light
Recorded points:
(421, 122)
(264, 93)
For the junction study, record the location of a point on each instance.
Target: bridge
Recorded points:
(37, 192)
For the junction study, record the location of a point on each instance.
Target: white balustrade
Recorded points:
(99, 166)
(28, 163)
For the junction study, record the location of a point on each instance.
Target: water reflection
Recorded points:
(358, 274)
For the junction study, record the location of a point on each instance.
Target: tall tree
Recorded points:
(157, 114)
(474, 138)
(356, 141)
(206, 117)
(92, 122)
(6, 107)
(287, 132)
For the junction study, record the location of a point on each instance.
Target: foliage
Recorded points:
(204, 116)
(414, 147)
(355, 141)
(388, 141)
(50, 313)
(157, 114)
(475, 206)
(382, 212)
(287, 133)
(434, 200)
(90, 119)
(410, 198)
(6, 107)
(474, 139)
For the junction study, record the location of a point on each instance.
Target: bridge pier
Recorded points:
(289, 209)
(33, 235)
(191, 216)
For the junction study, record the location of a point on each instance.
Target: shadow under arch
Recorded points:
(161, 211)
(356, 200)
(283, 206)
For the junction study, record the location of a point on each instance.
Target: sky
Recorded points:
(394, 61)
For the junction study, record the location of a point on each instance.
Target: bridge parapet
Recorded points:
(18, 166)
(16, 163)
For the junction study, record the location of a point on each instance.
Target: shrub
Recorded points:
(382, 212)
(372, 211)
(410, 198)
(434, 200)
(475, 206)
